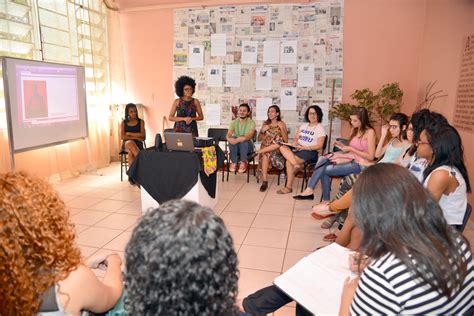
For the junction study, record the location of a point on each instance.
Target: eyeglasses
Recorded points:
(419, 142)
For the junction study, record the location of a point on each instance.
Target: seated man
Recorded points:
(240, 136)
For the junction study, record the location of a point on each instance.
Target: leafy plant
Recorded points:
(380, 106)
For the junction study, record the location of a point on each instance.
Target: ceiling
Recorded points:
(132, 5)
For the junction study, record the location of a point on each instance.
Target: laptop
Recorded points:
(179, 141)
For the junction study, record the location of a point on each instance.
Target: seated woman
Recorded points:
(273, 130)
(419, 265)
(361, 148)
(393, 151)
(415, 258)
(41, 269)
(445, 176)
(132, 132)
(181, 261)
(308, 140)
(186, 110)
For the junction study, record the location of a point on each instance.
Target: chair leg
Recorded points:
(304, 178)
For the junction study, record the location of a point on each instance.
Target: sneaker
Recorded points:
(233, 167)
(243, 167)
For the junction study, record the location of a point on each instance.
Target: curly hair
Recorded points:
(181, 261)
(181, 82)
(36, 242)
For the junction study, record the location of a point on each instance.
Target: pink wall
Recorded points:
(407, 41)
(447, 23)
(147, 39)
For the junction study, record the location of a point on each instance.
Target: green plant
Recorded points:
(380, 106)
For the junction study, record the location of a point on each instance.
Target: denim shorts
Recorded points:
(307, 155)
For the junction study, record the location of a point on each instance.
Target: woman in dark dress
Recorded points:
(132, 132)
(186, 110)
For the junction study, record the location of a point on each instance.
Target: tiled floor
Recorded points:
(271, 232)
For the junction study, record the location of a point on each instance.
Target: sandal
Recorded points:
(322, 211)
(330, 237)
(329, 222)
(284, 190)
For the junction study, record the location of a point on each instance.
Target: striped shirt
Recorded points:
(386, 287)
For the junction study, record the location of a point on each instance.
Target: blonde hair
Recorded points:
(36, 242)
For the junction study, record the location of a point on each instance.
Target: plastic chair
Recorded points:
(220, 135)
(467, 214)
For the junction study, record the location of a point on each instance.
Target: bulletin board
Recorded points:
(288, 55)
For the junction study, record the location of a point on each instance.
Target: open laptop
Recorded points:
(179, 141)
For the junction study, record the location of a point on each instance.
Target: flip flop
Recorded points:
(330, 237)
(284, 190)
(318, 217)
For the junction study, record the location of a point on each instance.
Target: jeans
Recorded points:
(268, 300)
(324, 172)
(242, 149)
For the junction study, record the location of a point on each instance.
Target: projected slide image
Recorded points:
(36, 99)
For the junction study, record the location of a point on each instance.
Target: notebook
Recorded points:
(316, 281)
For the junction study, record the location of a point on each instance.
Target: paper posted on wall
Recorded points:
(263, 78)
(271, 52)
(249, 52)
(213, 114)
(233, 74)
(218, 45)
(214, 76)
(196, 56)
(316, 281)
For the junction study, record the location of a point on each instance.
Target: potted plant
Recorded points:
(380, 106)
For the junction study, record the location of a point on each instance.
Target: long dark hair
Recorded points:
(422, 119)
(127, 107)
(447, 150)
(363, 116)
(396, 215)
(402, 120)
(277, 109)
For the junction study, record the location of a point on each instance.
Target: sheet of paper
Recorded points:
(316, 281)
(214, 76)
(306, 75)
(213, 114)
(196, 56)
(262, 108)
(233, 75)
(249, 52)
(288, 98)
(218, 45)
(263, 78)
(271, 52)
(288, 52)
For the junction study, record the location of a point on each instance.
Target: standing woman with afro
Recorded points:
(186, 110)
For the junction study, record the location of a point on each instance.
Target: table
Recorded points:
(164, 176)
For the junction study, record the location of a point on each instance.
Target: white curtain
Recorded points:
(72, 32)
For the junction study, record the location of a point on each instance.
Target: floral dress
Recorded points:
(186, 109)
(273, 133)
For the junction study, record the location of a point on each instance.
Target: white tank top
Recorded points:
(453, 205)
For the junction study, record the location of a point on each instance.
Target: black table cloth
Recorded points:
(171, 175)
